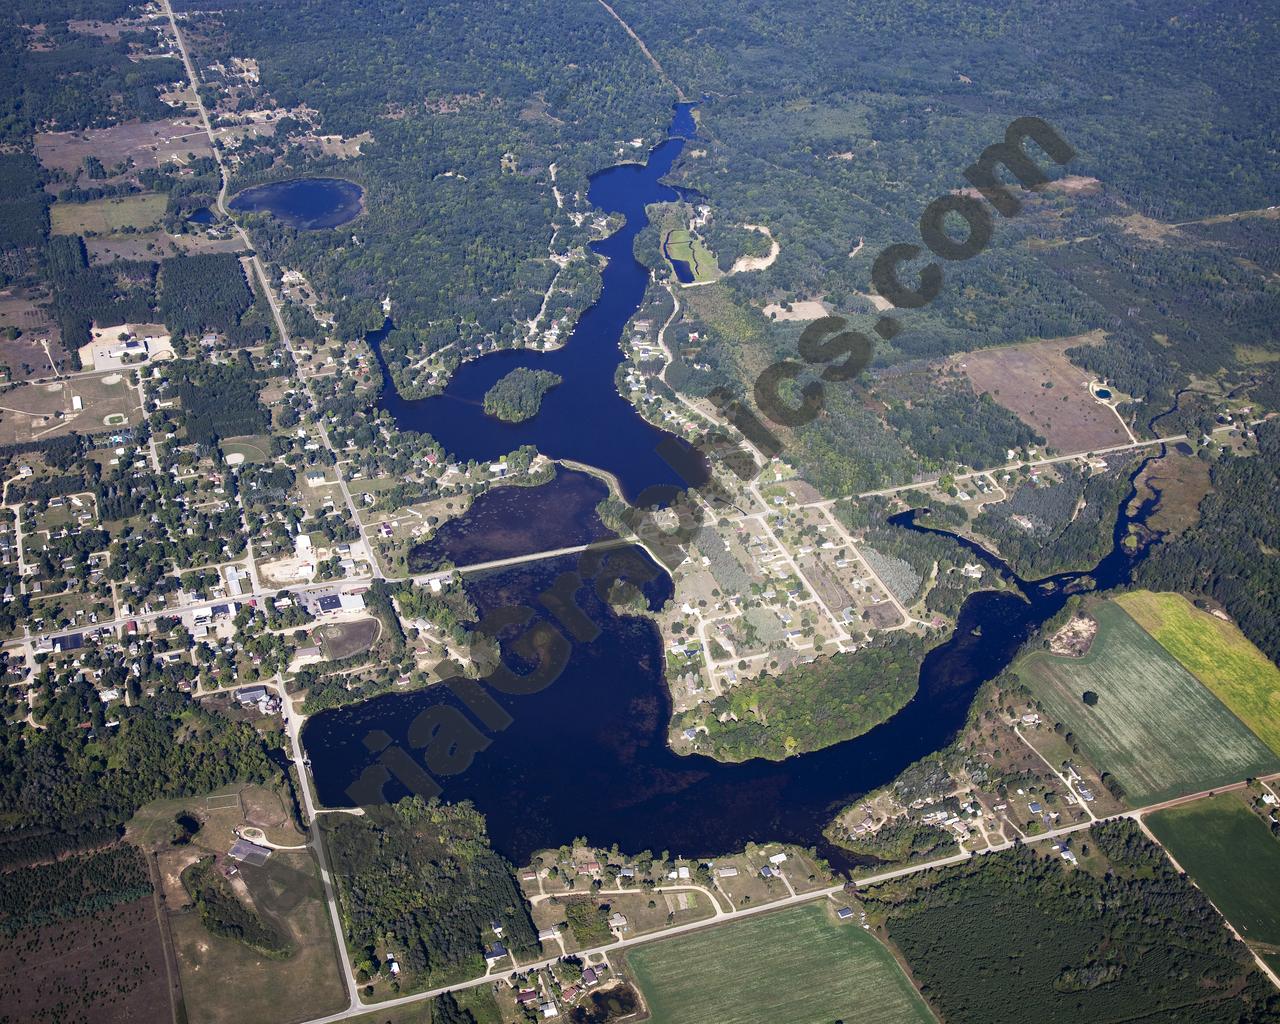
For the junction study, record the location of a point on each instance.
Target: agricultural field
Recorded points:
(1229, 852)
(796, 965)
(1043, 388)
(684, 245)
(1216, 653)
(107, 216)
(1154, 726)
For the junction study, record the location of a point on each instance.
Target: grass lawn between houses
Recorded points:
(1155, 727)
(797, 965)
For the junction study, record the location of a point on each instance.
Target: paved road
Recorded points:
(293, 721)
(789, 901)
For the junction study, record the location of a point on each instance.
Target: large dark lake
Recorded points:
(584, 419)
(304, 203)
(587, 754)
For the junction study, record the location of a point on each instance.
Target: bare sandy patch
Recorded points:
(806, 309)
(746, 264)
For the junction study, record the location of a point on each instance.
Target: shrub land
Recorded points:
(1154, 727)
(796, 965)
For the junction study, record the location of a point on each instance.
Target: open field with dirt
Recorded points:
(1043, 388)
(107, 216)
(1228, 852)
(341, 640)
(1155, 727)
(33, 412)
(798, 965)
(156, 245)
(107, 968)
(25, 356)
(251, 447)
(148, 144)
(1182, 481)
(1216, 653)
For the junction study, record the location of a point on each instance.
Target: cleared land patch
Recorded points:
(1216, 653)
(147, 143)
(1154, 726)
(341, 640)
(1229, 853)
(797, 966)
(106, 216)
(1043, 388)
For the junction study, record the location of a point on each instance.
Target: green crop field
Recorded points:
(796, 965)
(1217, 654)
(1230, 854)
(686, 246)
(1155, 727)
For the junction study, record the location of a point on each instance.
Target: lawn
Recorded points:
(1217, 654)
(1155, 727)
(1231, 855)
(686, 246)
(105, 216)
(796, 965)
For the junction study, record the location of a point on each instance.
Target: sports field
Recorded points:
(1217, 654)
(1155, 727)
(796, 965)
(1228, 852)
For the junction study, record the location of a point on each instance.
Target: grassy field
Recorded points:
(226, 982)
(1155, 727)
(253, 447)
(1217, 654)
(1230, 854)
(796, 965)
(686, 246)
(105, 216)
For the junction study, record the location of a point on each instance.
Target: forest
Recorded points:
(422, 883)
(1229, 554)
(1129, 938)
(219, 399)
(458, 172)
(62, 781)
(1049, 527)
(811, 706)
(518, 395)
(77, 886)
(204, 292)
